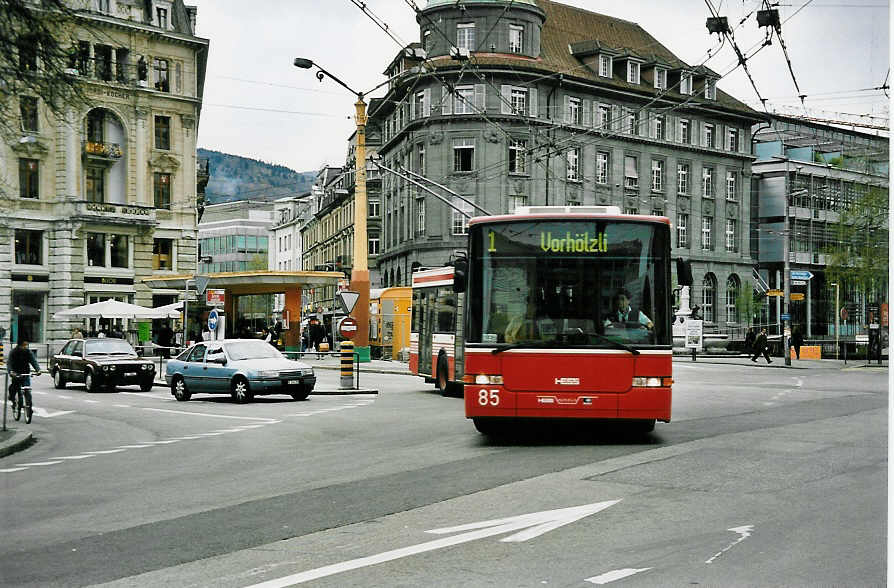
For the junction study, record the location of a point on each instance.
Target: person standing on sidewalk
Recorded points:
(797, 342)
(750, 338)
(760, 346)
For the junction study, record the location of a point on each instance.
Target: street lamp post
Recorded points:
(836, 317)
(359, 267)
(786, 292)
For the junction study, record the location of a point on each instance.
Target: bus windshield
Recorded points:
(583, 282)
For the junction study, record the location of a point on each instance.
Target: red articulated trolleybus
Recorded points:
(558, 312)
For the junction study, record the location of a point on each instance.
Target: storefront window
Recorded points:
(119, 249)
(96, 250)
(29, 247)
(27, 316)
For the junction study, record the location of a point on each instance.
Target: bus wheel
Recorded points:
(644, 426)
(442, 383)
(486, 426)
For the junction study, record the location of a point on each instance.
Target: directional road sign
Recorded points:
(801, 275)
(785, 316)
(212, 320)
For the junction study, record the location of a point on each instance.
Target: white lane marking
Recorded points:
(91, 401)
(107, 451)
(46, 414)
(164, 442)
(186, 438)
(744, 533)
(534, 524)
(133, 446)
(38, 463)
(64, 396)
(84, 456)
(212, 415)
(9, 470)
(209, 434)
(615, 575)
(121, 405)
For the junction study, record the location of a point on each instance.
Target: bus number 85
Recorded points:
(492, 398)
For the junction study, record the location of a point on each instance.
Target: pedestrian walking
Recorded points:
(750, 338)
(797, 342)
(760, 347)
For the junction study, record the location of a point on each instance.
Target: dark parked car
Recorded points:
(101, 363)
(243, 368)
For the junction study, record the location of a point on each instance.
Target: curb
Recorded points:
(19, 441)
(367, 370)
(343, 392)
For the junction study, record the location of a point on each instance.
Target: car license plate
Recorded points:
(293, 382)
(130, 374)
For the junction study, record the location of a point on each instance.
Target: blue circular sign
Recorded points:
(212, 320)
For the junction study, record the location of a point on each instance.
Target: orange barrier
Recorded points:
(808, 352)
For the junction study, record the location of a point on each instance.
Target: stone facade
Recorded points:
(91, 205)
(561, 106)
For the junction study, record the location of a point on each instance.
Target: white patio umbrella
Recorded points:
(110, 309)
(169, 310)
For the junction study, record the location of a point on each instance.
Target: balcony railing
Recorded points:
(97, 149)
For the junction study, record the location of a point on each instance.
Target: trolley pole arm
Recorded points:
(446, 189)
(426, 188)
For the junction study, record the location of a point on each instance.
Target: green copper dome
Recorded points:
(433, 3)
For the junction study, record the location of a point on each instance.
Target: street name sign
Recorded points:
(785, 316)
(801, 275)
(797, 296)
(774, 292)
(799, 282)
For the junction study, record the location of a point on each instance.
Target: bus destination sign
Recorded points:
(578, 243)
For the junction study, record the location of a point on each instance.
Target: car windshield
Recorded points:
(251, 350)
(109, 347)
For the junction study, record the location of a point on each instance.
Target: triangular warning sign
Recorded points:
(202, 283)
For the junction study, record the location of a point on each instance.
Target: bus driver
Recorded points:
(622, 313)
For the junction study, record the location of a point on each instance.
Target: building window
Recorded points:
(163, 132)
(160, 75)
(96, 250)
(632, 121)
(707, 182)
(463, 102)
(686, 84)
(631, 210)
(732, 140)
(707, 225)
(163, 254)
(660, 78)
(573, 112)
(605, 66)
(516, 38)
(517, 161)
(102, 60)
(682, 178)
(572, 165)
(684, 131)
(29, 178)
(657, 175)
(709, 295)
(373, 243)
(162, 17)
(374, 209)
(426, 41)
(710, 90)
(517, 201)
(601, 167)
(682, 237)
(731, 191)
(731, 241)
(28, 247)
(96, 126)
(632, 72)
(119, 251)
(659, 126)
(631, 175)
(605, 116)
(419, 105)
(461, 219)
(732, 296)
(162, 183)
(28, 47)
(29, 325)
(95, 184)
(518, 99)
(709, 135)
(463, 155)
(420, 216)
(465, 36)
(28, 110)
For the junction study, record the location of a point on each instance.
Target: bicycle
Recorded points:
(23, 394)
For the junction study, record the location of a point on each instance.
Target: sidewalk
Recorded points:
(12, 440)
(779, 362)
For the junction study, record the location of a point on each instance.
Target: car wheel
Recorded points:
(240, 392)
(58, 379)
(89, 382)
(305, 392)
(178, 389)
(146, 385)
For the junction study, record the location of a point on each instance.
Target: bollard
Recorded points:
(347, 365)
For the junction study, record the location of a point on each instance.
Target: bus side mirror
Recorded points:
(684, 272)
(460, 267)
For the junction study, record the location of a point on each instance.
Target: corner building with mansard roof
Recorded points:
(540, 103)
(93, 204)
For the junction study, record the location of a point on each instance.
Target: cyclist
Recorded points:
(21, 360)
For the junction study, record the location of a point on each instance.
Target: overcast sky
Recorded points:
(257, 104)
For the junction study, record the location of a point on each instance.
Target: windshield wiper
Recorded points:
(98, 353)
(616, 344)
(525, 345)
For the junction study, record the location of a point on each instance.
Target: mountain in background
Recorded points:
(241, 178)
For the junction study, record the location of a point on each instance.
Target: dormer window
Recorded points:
(686, 83)
(162, 17)
(465, 36)
(605, 66)
(660, 78)
(710, 90)
(633, 72)
(516, 38)
(426, 41)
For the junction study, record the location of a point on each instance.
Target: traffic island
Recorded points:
(14, 440)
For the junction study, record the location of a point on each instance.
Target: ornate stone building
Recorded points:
(94, 203)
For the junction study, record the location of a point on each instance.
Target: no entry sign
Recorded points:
(348, 327)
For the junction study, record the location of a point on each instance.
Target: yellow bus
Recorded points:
(389, 322)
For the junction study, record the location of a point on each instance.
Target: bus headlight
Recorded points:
(486, 379)
(640, 382)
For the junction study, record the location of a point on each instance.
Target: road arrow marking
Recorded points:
(46, 414)
(536, 524)
(615, 575)
(744, 533)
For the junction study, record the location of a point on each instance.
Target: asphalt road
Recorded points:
(765, 477)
